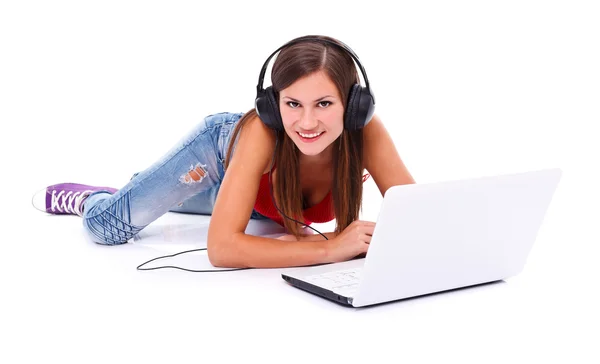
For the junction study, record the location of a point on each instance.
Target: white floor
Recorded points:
(93, 94)
(70, 298)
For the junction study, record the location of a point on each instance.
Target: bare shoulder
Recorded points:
(256, 139)
(239, 188)
(381, 157)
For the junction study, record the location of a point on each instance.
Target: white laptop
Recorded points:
(434, 237)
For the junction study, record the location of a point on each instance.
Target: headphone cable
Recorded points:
(201, 249)
(189, 270)
(271, 189)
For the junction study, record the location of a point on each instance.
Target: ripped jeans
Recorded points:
(186, 179)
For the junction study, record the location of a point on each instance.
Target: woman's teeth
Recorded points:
(310, 136)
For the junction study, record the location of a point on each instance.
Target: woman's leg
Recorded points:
(191, 168)
(202, 203)
(174, 183)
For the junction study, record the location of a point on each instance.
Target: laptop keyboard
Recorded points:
(343, 281)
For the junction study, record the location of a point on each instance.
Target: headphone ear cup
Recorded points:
(351, 108)
(278, 123)
(267, 109)
(359, 109)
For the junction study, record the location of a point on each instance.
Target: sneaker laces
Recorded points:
(68, 203)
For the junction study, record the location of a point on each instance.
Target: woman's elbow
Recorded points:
(216, 256)
(221, 253)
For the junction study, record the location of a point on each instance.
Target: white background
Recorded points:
(92, 92)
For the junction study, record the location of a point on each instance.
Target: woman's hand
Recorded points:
(287, 237)
(351, 242)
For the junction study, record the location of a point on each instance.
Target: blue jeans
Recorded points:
(186, 179)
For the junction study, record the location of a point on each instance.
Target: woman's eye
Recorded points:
(295, 105)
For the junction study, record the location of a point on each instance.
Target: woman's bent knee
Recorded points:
(107, 235)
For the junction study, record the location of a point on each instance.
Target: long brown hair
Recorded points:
(292, 63)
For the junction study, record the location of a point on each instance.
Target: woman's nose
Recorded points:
(308, 121)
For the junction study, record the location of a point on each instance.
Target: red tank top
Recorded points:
(319, 213)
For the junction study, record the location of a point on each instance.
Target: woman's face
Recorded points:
(312, 113)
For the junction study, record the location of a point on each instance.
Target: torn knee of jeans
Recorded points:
(194, 175)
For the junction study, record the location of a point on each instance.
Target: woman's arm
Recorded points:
(259, 252)
(381, 158)
(308, 237)
(227, 243)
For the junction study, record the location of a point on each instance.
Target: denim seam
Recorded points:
(116, 218)
(222, 160)
(103, 236)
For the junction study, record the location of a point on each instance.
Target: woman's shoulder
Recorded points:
(257, 140)
(267, 136)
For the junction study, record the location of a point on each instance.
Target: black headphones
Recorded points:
(359, 108)
(358, 113)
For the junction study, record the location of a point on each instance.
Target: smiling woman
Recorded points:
(303, 75)
(309, 117)
(298, 157)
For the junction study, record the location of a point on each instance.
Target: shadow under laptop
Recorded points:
(420, 298)
(436, 295)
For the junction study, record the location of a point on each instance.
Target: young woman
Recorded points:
(297, 158)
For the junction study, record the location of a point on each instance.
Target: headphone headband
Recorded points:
(341, 45)
(360, 103)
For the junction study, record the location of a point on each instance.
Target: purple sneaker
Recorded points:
(65, 198)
